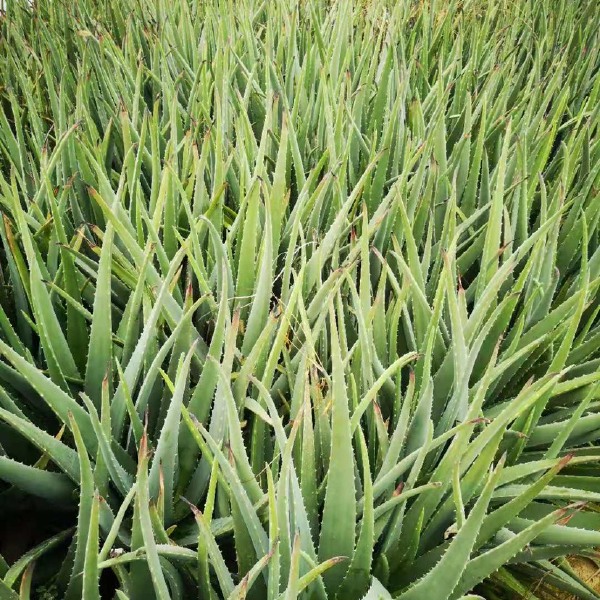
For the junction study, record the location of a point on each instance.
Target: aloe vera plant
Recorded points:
(300, 299)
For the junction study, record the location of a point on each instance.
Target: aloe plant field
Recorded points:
(299, 299)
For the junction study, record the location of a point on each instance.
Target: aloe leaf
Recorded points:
(445, 576)
(100, 349)
(142, 500)
(485, 564)
(166, 448)
(66, 458)
(91, 578)
(87, 520)
(357, 578)
(54, 487)
(19, 566)
(377, 592)
(57, 399)
(221, 571)
(257, 533)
